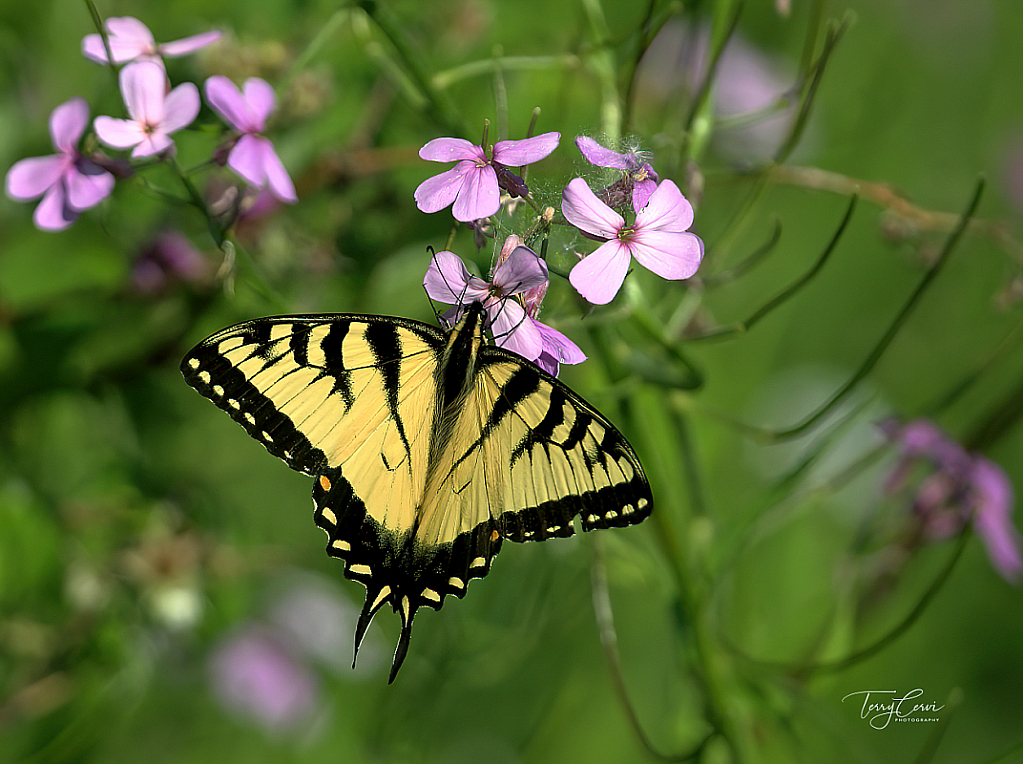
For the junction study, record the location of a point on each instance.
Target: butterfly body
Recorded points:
(428, 448)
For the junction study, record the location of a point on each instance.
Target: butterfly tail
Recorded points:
(407, 613)
(375, 599)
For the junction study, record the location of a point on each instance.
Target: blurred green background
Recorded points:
(164, 595)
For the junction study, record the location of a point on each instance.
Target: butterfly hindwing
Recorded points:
(427, 449)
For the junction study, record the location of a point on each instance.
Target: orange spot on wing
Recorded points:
(324, 483)
(494, 536)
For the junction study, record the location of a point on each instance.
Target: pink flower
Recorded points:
(638, 180)
(68, 182)
(255, 674)
(960, 488)
(253, 157)
(556, 348)
(474, 185)
(130, 39)
(658, 239)
(448, 281)
(155, 113)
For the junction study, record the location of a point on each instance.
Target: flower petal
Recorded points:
(523, 270)
(277, 177)
(187, 45)
(262, 101)
(181, 107)
(586, 212)
(596, 154)
(226, 99)
(447, 279)
(451, 150)
(129, 38)
(53, 213)
(118, 133)
(600, 275)
(152, 143)
(30, 178)
(436, 193)
(88, 184)
(143, 85)
(479, 196)
(641, 193)
(246, 159)
(666, 210)
(513, 329)
(670, 255)
(67, 124)
(992, 518)
(560, 346)
(525, 151)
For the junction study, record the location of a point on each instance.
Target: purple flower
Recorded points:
(155, 113)
(959, 488)
(638, 181)
(473, 185)
(254, 674)
(448, 281)
(556, 348)
(253, 157)
(130, 39)
(658, 239)
(169, 257)
(68, 182)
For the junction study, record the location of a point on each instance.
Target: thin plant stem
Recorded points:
(882, 345)
(604, 615)
(786, 294)
(747, 264)
(97, 20)
(438, 103)
(834, 35)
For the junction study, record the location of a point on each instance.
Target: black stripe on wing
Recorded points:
(595, 450)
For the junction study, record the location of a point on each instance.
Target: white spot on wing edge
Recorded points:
(479, 562)
(456, 583)
(193, 363)
(341, 544)
(430, 594)
(361, 570)
(328, 513)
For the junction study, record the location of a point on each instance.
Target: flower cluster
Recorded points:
(658, 235)
(957, 488)
(71, 182)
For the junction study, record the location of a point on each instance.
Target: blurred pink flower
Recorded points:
(68, 182)
(447, 280)
(253, 157)
(473, 185)
(130, 39)
(155, 113)
(658, 239)
(170, 257)
(638, 181)
(255, 675)
(959, 488)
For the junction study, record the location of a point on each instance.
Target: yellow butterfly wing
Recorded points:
(427, 449)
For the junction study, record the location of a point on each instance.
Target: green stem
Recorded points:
(439, 105)
(790, 291)
(879, 349)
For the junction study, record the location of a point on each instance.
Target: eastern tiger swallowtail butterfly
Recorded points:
(428, 448)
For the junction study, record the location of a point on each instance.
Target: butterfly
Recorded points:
(427, 448)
